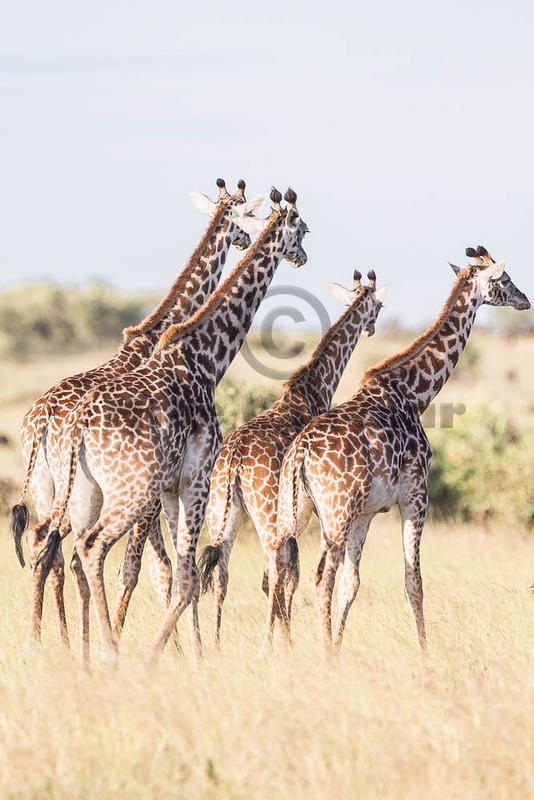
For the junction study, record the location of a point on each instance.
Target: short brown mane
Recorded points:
(324, 342)
(179, 284)
(416, 346)
(175, 331)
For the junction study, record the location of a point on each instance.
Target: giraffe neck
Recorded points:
(195, 284)
(318, 379)
(212, 338)
(420, 371)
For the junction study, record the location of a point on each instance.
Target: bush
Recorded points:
(236, 403)
(467, 369)
(482, 469)
(43, 318)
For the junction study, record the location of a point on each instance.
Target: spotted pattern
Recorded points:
(371, 453)
(44, 436)
(152, 437)
(246, 472)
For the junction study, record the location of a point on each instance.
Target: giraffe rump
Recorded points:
(20, 518)
(207, 561)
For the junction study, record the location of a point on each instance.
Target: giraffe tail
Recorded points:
(297, 459)
(211, 554)
(46, 555)
(207, 561)
(20, 516)
(56, 534)
(293, 565)
(297, 455)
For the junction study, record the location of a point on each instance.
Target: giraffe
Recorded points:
(246, 472)
(371, 452)
(152, 436)
(43, 422)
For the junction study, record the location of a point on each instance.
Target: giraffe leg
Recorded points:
(325, 578)
(304, 512)
(281, 571)
(36, 540)
(193, 494)
(413, 519)
(175, 514)
(281, 568)
(92, 548)
(276, 567)
(223, 543)
(349, 582)
(83, 595)
(84, 510)
(57, 583)
(129, 572)
(160, 569)
(42, 491)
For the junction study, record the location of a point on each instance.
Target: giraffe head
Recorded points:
(287, 227)
(493, 283)
(230, 206)
(368, 297)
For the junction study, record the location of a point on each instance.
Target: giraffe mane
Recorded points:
(179, 284)
(174, 332)
(323, 343)
(418, 344)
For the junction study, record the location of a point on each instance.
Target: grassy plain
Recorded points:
(377, 721)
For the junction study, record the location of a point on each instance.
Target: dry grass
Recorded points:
(375, 722)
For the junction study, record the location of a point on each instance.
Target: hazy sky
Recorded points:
(406, 129)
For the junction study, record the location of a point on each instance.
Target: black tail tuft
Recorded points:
(20, 518)
(207, 561)
(293, 565)
(46, 557)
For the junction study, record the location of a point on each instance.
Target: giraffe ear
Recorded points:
(454, 268)
(251, 225)
(340, 293)
(381, 293)
(203, 204)
(251, 207)
(494, 271)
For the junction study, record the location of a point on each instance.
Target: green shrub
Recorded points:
(468, 365)
(236, 403)
(41, 318)
(482, 469)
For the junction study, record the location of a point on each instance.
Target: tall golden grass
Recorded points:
(377, 721)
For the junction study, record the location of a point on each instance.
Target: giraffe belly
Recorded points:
(382, 495)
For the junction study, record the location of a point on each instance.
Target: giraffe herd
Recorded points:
(108, 450)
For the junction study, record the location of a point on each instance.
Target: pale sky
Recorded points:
(405, 128)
